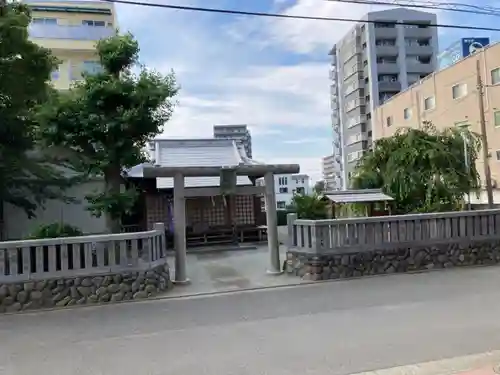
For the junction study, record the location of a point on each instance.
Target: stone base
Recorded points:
(84, 290)
(335, 266)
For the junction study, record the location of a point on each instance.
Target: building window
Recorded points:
(496, 116)
(282, 180)
(498, 154)
(93, 23)
(45, 21)
(283, 190)
(429, 103)
(300, 190)
(495, 76)
(91, 67)
(388, 121)
(458, 91)
(281, 205)
(407, 113)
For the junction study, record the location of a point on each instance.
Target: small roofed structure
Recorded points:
(201, 185)
(369, 197)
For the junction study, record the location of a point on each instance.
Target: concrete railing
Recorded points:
(378, 233)
(44, 259)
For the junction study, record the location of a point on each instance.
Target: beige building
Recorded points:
(71, 30)
(450, 98)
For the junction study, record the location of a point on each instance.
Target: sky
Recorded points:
(268, 73)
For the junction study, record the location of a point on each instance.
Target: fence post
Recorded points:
(292, 234)
(160, 227)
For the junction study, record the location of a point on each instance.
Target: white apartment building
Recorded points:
(330, 167)
(237, 132)
(286, 185)
(372, 63)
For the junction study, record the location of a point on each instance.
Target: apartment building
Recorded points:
(71, 30)
(449, 98)
(371, 64)
(331, 173)
(286, 186)
(237, 132)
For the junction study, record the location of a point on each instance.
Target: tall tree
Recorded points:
(424, 170)
(27, 176)
(319, 187)
(108, 118)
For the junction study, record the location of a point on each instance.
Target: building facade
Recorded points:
(331, 173)
(71, 30)
(372, 63)
(286, 186)
(461, 49)
(235, 132)
(450, 98)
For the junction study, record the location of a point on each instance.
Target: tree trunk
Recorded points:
(113, 182)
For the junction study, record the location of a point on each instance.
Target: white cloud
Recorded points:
(236, 73)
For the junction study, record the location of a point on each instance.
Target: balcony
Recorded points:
(353, 86)
(387, 68)
(389, 86)
(386, 50)
(419, 32)
(65, 37)
(418, 67)
(386, 32)
(415, 49)
(353, 121)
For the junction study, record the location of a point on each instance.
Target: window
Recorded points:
(281, 205)
(459, 90)
(282, 180)
(429, 103)
(495, 76)
(388, 121)
(45, 21)
(54, 75)
(283, 190)
(407, 113)
(300, 190)
(496, 116)
(91, 67)
(498, 154)
(93, 23)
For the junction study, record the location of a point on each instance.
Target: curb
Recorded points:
(301, 283)
(475, 364)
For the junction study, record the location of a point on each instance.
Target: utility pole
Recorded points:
(484, 136)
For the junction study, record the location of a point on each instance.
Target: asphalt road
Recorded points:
(331, 328)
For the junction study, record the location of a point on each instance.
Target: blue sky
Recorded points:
(271, 74)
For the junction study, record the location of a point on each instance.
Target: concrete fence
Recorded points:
(84, 269)
(321, 249)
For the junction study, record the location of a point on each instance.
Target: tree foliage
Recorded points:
(27, 175)
(312, 207)
(108, 118)
(424, 170)
(319, 186)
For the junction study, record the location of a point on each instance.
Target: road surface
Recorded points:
(331, 328)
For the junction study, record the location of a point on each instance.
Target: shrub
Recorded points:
(56, 230)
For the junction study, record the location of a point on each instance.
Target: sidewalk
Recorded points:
(475, 364)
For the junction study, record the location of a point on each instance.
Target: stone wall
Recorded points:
(83, 290)
(334, 266)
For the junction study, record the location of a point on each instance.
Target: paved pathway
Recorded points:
(333, 328)
(231, 271)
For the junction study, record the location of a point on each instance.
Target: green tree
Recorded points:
(424, 170)
(312, 207)
(319, 187)
(108, 118)
(27, 175)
